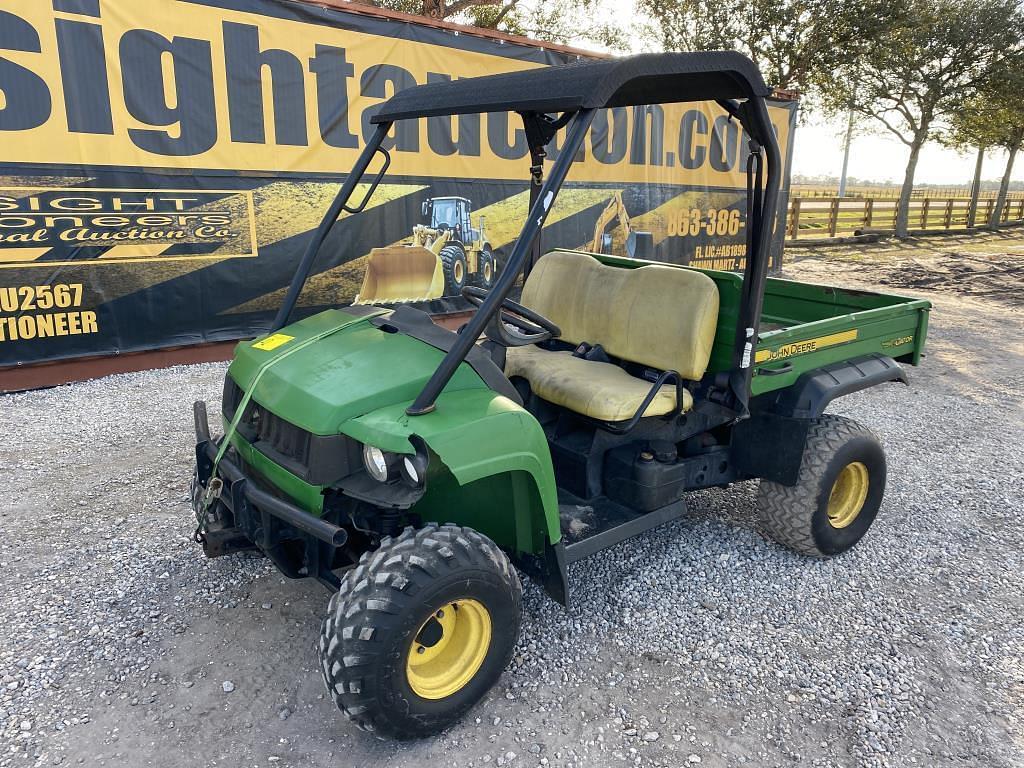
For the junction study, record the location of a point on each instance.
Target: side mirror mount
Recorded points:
(425, 209)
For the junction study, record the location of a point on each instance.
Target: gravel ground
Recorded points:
(696, 644)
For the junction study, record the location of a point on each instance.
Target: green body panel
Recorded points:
(494, 506)
(796, 316)
(477, 435)
(358, 380)
(355, 370)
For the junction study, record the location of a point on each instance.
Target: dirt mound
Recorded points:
(979, 266)
(995, 276)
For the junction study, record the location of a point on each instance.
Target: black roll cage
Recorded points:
(762, 189)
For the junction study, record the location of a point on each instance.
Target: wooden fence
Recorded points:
(815, 217)
(893, 192)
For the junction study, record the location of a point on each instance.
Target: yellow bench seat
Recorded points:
(661, 317)
(599, 390)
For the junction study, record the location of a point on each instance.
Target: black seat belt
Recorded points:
(537, 155)
(540, 130)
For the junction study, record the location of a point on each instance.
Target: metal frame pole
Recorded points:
(756, 273)
(344, 194)
(424, 403)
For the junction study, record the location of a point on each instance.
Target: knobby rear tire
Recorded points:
(797, 516)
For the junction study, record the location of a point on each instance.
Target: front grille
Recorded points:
(317, 459)
(231, 398)
(281, 436)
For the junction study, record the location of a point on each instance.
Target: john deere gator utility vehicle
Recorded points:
(440, 260)
(408, 467)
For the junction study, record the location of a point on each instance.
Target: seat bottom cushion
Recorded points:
(599, 390)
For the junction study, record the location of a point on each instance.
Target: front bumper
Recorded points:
(263, 518)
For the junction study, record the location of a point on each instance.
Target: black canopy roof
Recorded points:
(653, 78)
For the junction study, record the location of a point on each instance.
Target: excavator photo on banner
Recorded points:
(639, 245)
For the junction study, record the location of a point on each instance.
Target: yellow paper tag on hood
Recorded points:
(273, 342)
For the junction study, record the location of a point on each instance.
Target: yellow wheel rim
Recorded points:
(488, 271)
(448, 649)
(848, 494)
(457, 272)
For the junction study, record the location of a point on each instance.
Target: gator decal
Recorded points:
(901, 341)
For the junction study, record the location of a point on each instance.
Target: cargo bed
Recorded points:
(806, 326)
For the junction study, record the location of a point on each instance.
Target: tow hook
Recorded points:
(210, 495)
(213, 490)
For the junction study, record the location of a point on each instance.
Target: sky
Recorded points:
(818, 150)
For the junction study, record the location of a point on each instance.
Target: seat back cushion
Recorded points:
(659, 316)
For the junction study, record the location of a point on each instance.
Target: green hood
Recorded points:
(356, 369)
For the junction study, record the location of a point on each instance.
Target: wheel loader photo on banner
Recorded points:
(440, 259)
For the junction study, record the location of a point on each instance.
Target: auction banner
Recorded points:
(164, 163)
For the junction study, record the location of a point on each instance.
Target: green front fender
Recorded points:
(497, 475)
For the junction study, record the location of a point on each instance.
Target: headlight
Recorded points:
(414, 469)
(376, 463)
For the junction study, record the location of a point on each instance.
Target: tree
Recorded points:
(923, 72)
(434, 9)
(992, 119)
(980, 125)
(975, 127)
(556, 21)
(796, 43)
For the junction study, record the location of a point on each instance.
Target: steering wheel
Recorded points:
(513, 325)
